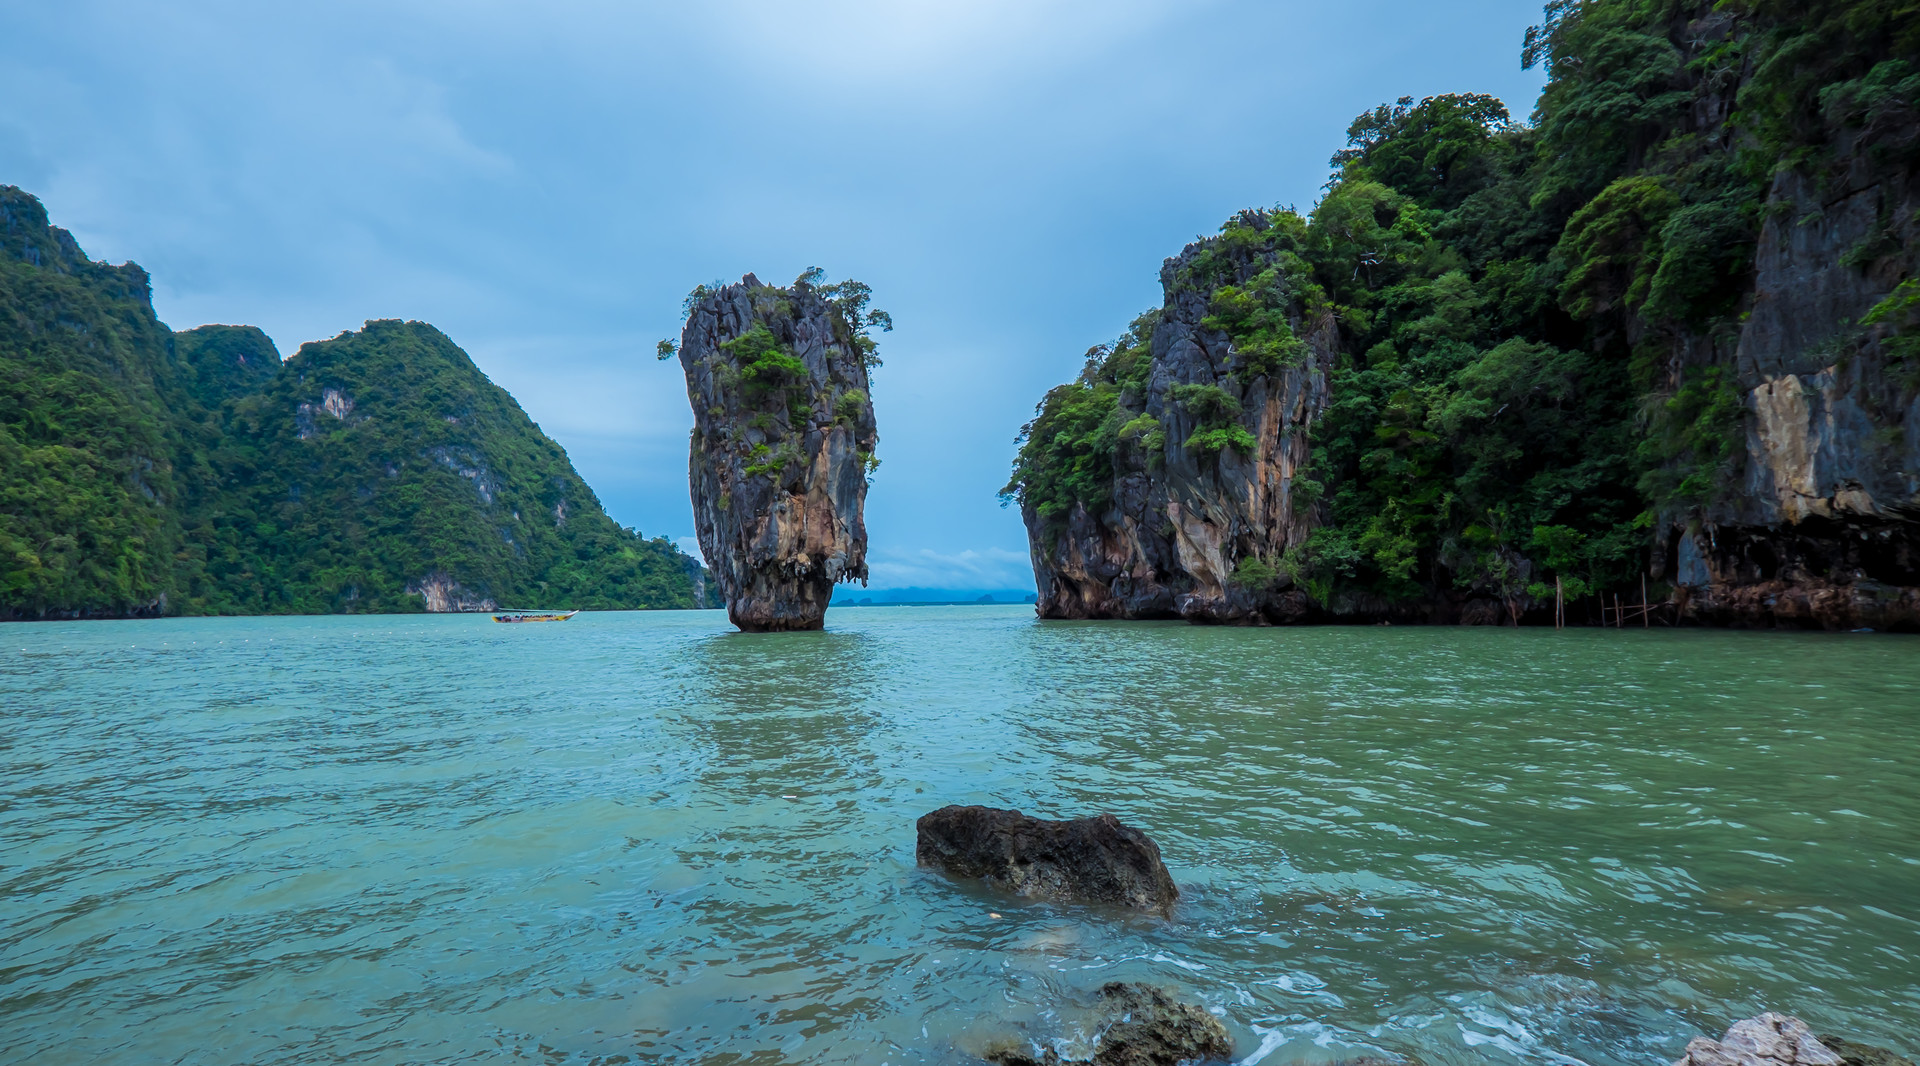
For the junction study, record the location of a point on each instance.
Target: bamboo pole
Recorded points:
(1646, 609)
(1559, 605)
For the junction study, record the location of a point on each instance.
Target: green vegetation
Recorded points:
(1067, 452)
(143, 471)
(1533, 322)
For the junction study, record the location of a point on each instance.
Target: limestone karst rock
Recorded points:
(1088, 860)
(1184, 517)
(1485, 391)
(782, 445)
(1769, 1039)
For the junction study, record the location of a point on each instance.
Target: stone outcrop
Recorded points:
(782, 444)
(1854, 1053)
(1813, 521)
(1182, 518)
(1086, 860)
(1136, 1025)
(1768, 1040)
(442, 594)
(1824, 529)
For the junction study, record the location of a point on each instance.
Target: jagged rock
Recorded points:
(782, 444)
(1138, 1025)
(1089, 860)
(1808, 516)
(1824, 532)
(1768, 1040)
(1856, 1054)
(1182, 520)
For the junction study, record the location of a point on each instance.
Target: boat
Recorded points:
(509, 614)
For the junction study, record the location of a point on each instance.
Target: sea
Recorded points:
(644, 837)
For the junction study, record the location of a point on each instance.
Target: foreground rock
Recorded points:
(1139, 1025)
(1853, 1053)
(1086, 860)
(1768, 1040)
(782, 444)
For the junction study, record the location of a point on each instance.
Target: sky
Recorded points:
(546, 181)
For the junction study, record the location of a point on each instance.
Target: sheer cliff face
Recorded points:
(1199, 516)
(782, 443)
(1824, 528)
(1819, 526)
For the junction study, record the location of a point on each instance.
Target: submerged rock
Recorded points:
(782, 444)
(1138, 1025)
(1768, 1040)
(1088, 860)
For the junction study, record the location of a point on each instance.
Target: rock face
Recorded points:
(1183, 517)
(782, 445)
(1139, 1025)
(1759, 461)
(1768, 1040)
(1853, 1053)
(1824, 531)
(1088, 860)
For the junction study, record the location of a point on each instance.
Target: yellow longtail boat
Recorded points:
(510, 614)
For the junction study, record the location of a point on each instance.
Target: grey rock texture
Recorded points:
(1854, 1053)
(1137, 1025)
(780, 451)
(1824, 528)
(1087, 860)
(1768, 1040)
(1182, 520)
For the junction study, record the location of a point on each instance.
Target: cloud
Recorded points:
(545, 182)
(927, 43)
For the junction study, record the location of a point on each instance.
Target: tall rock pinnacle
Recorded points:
(782, 444)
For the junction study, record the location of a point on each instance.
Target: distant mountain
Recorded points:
(145, 472)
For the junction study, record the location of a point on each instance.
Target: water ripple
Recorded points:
(636, 837)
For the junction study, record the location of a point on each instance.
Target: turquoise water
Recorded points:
(641, 837)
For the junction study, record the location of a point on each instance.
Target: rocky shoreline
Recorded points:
(1102, 863)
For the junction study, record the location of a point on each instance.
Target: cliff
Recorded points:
(90, 497)
(147, 472)
(1201, 439)
(783, 443)
(1660, 335)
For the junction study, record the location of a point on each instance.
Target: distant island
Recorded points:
(146, 472)
(1652, 357)
(783, 441)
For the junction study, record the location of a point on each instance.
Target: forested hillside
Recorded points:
(1658, 331)
(146, 472)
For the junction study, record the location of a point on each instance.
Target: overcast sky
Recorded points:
(545, 182)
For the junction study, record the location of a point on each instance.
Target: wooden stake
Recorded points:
(1646, 609)
(1559, 605)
